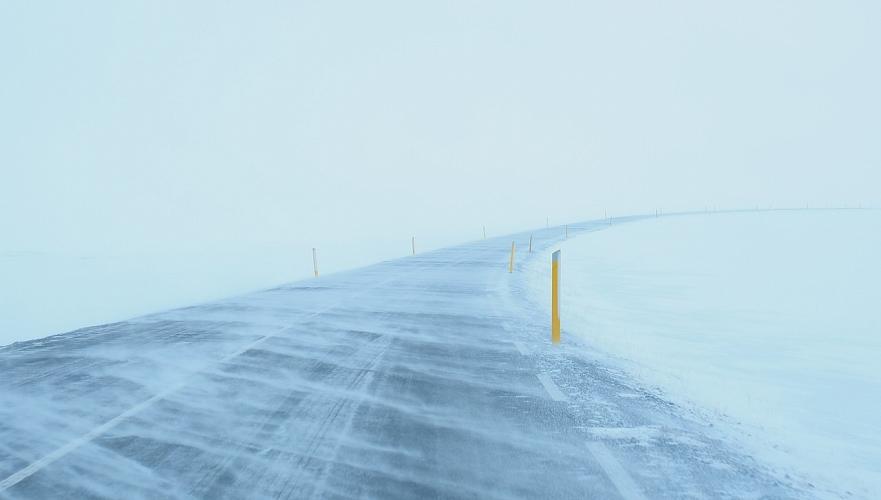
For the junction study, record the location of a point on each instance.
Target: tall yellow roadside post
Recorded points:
(555, 297)
(511, 261)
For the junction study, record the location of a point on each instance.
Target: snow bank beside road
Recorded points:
(769, 318)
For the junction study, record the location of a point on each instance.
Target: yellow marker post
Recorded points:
(530, 243)
(555, 297)
(315, 261)
(511, 261)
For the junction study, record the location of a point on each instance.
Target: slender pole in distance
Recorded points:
(511, 261)
(530, 243)
(315, 261)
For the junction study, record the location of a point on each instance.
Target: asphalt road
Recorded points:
(424, 377)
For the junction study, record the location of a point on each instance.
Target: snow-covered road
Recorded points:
(428, 376)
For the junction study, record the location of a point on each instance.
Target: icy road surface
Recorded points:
(428, 376)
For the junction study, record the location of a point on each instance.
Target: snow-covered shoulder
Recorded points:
(768, 320)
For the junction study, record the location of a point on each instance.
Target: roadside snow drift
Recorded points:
(769, 320)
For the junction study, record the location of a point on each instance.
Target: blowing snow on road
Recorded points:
(285, 250)
(431, 375)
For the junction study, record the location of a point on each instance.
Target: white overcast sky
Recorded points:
(353, 125)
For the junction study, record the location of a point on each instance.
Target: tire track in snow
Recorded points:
(74, 444)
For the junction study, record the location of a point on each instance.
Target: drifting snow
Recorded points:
(770, 320)
(43, 294)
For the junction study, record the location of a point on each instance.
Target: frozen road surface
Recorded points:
(425, 377)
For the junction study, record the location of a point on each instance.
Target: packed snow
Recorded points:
(767, 323)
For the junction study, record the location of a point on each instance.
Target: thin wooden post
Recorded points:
(315, 261)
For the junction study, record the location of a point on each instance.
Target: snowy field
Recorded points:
(43, 294)
(766, 322)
